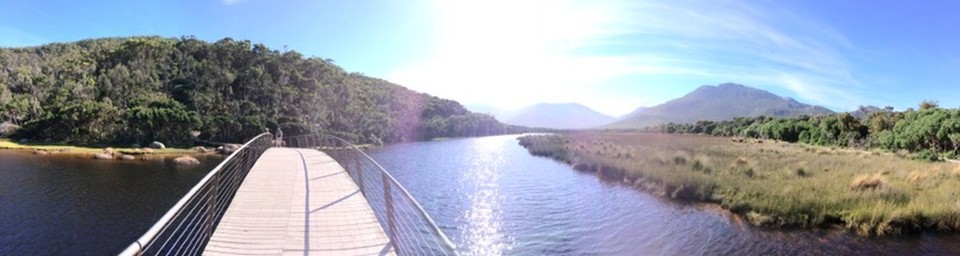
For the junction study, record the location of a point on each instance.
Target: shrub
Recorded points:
(697, 165)
(679, 160)
(926, 155)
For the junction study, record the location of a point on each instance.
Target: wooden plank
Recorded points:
(297, 202)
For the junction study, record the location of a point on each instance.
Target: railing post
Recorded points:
(388, 200)
(212, 204)
(359, 171)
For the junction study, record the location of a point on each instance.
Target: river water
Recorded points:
(65, 205)
(488, 194)
(493, 198)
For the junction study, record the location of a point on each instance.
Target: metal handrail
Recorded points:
(202, 207)
(364, 169)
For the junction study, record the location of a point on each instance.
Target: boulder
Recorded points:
(157, 145)
(41, 152)
(127, 157)
(7, 128)
(110, 151)
(103, 156)
(229, 148)
(201, 149)
(185, 160)
(136, 145)
(24, 140)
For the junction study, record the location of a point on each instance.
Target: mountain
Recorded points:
(864, 111)
(498, 113)
(559, 116)
(716, 103)
(632, 113)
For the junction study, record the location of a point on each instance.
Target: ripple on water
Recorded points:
(65, 205)
(492, 197)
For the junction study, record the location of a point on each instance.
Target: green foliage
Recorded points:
(140, 89)
(930, 132)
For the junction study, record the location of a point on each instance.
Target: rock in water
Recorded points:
(229, 148)
(103, 156)
(157, 145)
(127, 157)
(186, 160)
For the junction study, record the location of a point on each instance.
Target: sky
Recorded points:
(610, 55)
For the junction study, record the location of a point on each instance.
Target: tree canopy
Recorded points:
(930, 130)
(140, 89)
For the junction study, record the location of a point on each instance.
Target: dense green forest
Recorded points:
(140, 89)
(930, 131)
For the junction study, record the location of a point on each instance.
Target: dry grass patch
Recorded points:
(915, 176)
(866, 182)
(781, 184)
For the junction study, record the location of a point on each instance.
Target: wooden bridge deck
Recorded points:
(298, 202)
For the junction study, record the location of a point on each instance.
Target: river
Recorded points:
(488, 194)
(65, 205)
(493, 198)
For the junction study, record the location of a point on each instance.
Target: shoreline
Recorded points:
(96, 153)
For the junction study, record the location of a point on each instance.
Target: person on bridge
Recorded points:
(278, 137)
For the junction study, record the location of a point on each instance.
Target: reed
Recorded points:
(772, 183)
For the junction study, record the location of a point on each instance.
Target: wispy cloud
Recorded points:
(517, 52)
(754, 42)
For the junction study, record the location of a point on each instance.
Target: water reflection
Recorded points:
(491, 197)
(67, 205)
(484, 229)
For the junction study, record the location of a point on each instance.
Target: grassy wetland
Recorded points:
(770, 183)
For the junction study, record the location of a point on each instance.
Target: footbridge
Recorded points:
(321, 195)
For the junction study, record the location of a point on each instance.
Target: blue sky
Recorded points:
(612, 56)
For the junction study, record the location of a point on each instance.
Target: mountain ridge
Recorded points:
(716, 103)
(559, 116)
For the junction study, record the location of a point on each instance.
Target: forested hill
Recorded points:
(141, 89)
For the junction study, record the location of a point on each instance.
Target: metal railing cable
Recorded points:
(187, 227)
(410, 229)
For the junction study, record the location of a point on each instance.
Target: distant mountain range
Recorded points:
(716, 103)
(548, 115)
(708, 102)
(559, 116)
(498, 113)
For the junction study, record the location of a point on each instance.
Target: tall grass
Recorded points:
(770, 183)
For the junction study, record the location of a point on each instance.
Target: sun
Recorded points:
(513, 53)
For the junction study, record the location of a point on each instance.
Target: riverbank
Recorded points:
(92, 152)
(770, 183)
